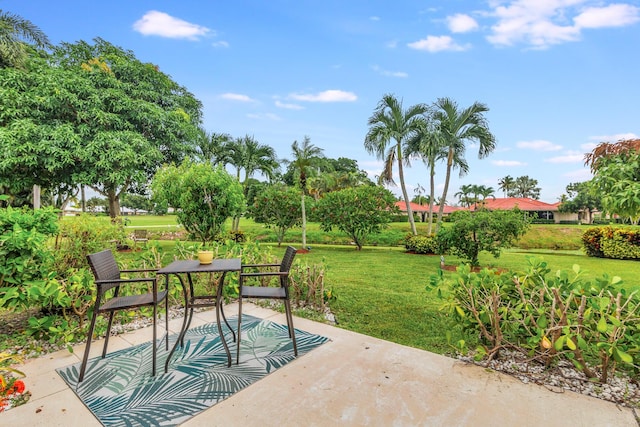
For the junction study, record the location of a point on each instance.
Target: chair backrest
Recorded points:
(287, 260)
(140, 234)
(104, 267)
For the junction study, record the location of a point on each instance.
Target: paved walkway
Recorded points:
(353, 380)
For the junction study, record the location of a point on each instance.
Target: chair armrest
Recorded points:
(267, 273)
(259, 265)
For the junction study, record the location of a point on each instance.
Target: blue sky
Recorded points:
(558, 76)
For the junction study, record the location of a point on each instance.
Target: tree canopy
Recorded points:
(92, 114)
(616, 169)
(204, 197)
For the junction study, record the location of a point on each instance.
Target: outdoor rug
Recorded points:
(120, 390)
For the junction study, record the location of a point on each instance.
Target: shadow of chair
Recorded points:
(266, 271)
(108, 278)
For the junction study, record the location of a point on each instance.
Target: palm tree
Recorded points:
(213, 147)
(15, 32)
(506, 185)
(526, 187)
(481, 192)
(303, 159)
(390, 122)
(456, 127)
(464, 195)
(249, 155)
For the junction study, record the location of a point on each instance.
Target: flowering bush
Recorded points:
(12, 390)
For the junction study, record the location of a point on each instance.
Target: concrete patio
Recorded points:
(353, 380)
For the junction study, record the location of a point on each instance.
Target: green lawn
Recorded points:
(381, 289)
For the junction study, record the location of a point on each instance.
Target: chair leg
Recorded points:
(292, 331)
(154, 343)
(106, 337)
(166, 317)
(87, 347)
(239, 325)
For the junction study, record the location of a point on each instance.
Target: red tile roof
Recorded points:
(425, 208)
(524, 204)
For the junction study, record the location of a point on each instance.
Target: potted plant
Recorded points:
(205, 256)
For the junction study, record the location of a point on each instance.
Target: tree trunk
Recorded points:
(114, 204)
(304, 224)
(36, 197)
(404, 193)
(83, 200)
(431, 196)
(446, 188)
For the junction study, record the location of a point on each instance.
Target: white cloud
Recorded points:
(155, 23)
(461, 23)
(570, 157)
(221, 43)
(236, 97)
(374, 18)
(437, 44)
(613, 15)
(280, 104)
(326, 96)
(508, 163)
(539, 145)
(543, 23)
(399, 74)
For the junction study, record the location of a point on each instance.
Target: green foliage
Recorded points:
(83, 235)
(472, 232)
(422, 244)
(307, 286)
(610, 242)
(617, 179)
(24, 258)
(204, 197)
(357, 211)
(278, 207)
(592, 324)
(92, 114)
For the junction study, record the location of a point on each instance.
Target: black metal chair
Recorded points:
(266, 292)
(108, 277)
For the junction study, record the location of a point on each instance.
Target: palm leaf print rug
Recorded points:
(120, 390)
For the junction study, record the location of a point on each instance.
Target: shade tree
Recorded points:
(204, 197)
(357, 211)
(616, 177)
(92, 114)
(278, 207)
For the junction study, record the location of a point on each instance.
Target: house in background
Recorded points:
(423, 210)
(536, 208)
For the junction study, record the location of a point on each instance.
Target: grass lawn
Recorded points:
(381, 289)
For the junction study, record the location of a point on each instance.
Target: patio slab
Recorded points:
(352, 380)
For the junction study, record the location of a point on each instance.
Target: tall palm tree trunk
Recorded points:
(446, 188)
(432, 190)
(405, 194)
(304, 223)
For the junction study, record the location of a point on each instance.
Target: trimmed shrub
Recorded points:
(610, 242)
(422, 244)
